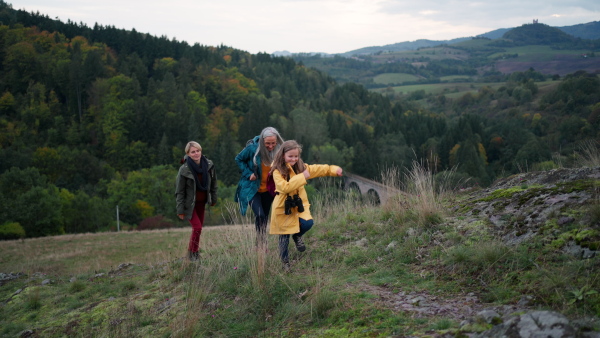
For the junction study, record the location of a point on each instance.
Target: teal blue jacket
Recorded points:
(246, 189)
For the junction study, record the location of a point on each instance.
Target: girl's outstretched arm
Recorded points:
(320, 170)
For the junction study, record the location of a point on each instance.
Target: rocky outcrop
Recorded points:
(524, 205)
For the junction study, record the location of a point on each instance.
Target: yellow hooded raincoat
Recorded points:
(282, 224)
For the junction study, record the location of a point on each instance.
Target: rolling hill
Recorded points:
(590, 31)
(548, 50)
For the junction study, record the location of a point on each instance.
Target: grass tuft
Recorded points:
(589, 154)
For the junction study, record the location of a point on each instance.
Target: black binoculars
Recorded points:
(293, 202)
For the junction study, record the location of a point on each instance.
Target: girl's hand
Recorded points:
(181, 216)
(306, 174)
(339, 172)
(252, 177)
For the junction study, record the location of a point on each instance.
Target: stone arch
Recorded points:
(373, 196)
(354, 186)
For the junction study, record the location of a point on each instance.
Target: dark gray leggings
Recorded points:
(284, 240)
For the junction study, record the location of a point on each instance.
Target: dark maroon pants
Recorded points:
(196, 223)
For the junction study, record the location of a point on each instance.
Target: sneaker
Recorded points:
(286, 266)
(299, 243)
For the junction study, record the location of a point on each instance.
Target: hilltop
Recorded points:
(536, 34)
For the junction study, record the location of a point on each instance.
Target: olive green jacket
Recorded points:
(185, 191)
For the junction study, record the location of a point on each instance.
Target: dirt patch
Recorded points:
(423, 304)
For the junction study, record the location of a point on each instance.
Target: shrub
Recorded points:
(155, 222)
(11, 230)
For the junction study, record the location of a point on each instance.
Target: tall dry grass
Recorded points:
(588, 155)
(418, 190)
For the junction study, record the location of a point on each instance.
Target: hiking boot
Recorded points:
(299, 243)
(286, 266)
(193, 256)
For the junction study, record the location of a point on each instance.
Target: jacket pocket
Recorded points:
(287, 224)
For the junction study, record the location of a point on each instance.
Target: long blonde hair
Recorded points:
(279, 160)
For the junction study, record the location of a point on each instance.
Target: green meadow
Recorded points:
(394, 78)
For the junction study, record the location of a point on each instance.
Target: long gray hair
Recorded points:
(266, 155)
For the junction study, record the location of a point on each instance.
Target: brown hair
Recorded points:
(279, 160)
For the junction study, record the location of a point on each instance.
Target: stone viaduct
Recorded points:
(376, 191)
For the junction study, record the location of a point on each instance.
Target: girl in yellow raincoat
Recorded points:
(290, 213)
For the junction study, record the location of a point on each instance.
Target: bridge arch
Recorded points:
(373, 196)
(354, 186)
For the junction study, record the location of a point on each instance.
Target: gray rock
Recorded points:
(489, 316)
(391, 246)
(543, 324)
(534, 324)
(525, 300)
(587, 253)
(362, 242)
(565, 220)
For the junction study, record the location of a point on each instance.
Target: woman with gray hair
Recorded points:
(255, 164)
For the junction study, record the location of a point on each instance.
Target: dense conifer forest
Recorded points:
(95, 117)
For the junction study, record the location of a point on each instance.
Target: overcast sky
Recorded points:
(330, 26)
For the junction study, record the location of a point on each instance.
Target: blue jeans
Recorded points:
(284, 240)
(261, 206)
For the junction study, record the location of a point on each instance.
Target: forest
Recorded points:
(92, 118)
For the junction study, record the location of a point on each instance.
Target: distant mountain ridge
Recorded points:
(590, 30)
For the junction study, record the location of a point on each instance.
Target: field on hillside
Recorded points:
(451, 78)
(394, 78)
(442, 88)
(433, 53)
(536, 53)
(456, 89)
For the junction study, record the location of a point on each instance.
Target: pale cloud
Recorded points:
(332, 26)
(428, 12)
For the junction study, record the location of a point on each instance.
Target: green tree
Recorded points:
(307, 127)
(38, 210)
(471, 161)
(152, 187)
(532, 152)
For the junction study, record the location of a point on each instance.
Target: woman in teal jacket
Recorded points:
(254, 162)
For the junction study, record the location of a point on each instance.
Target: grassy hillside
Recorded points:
(417, 266)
